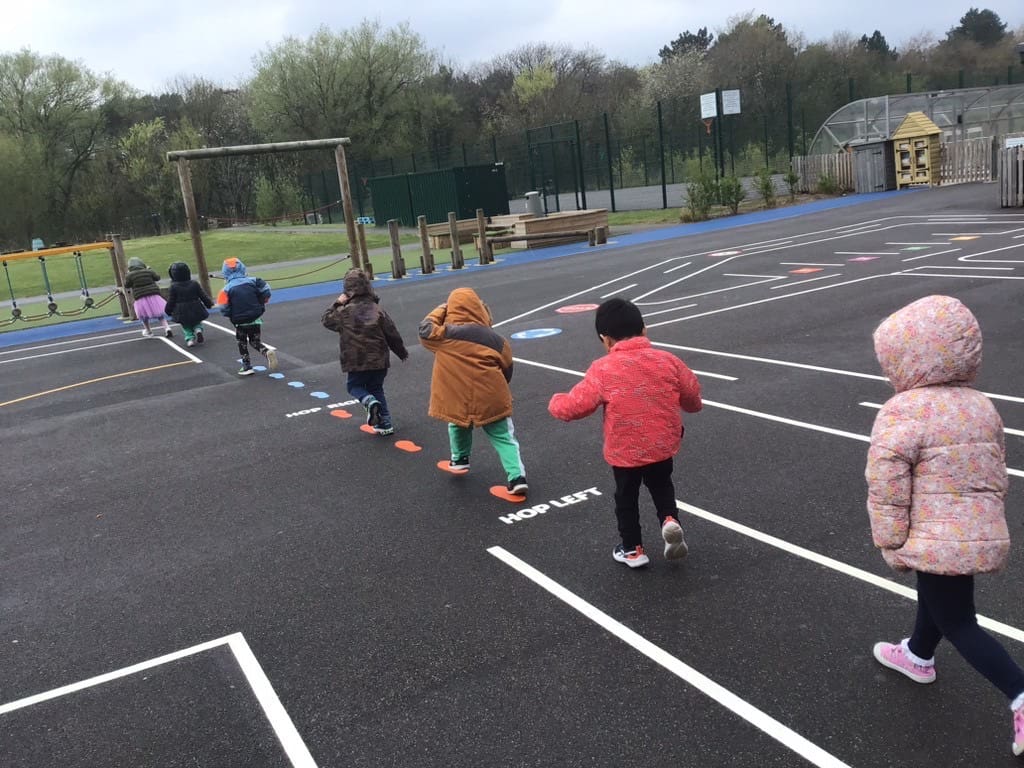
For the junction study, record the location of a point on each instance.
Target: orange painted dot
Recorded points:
(804, 270)
(408, 446)
(502, 493)
(367, 429)
(341, 413)
(445, 466)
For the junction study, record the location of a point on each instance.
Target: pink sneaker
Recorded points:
(894, 657)
(1018, 731)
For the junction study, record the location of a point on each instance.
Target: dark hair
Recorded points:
(619, 319)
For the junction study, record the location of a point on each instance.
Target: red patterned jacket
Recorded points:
(642, 390)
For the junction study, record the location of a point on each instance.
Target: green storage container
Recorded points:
(434, 193)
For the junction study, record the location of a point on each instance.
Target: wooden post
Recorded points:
(346, 204)
(602, 235)
(362, 254)
(119, 282)
(185, 179)
(120, 268)
(591, 238)
(453, 230)
(481, 233)
(426, 256)
(397, 262)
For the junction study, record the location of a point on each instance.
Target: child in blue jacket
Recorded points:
(243, 300)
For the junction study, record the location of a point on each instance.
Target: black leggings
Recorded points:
(945, 608)
(658, 479)
(246, 335)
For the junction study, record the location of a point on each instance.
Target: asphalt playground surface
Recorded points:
(203, 570)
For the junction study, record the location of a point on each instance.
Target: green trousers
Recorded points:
(502, 436)
(190, 333)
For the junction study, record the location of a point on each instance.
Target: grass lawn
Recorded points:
(625, 218)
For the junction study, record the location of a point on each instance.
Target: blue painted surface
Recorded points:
(384, 281)
(536, 333)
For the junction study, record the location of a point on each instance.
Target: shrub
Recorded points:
(828, 185)
(732, 193)
(766, 187)
(792, 179)
(701, 194)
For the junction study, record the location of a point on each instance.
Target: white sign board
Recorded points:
(1017, 141)
(730, 102)
(708, 106)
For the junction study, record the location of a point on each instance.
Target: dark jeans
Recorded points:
(945, 608)
(363, 384)
(246, 335)
(658, 479)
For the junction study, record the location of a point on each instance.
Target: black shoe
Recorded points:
(459, 465)
(517, 487)
(199, 337)
(373, 413)
(169, 333)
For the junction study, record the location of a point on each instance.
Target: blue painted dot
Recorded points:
(277, 375)
(296, 384)
(259, 368)
(536, 333)
(321, 395)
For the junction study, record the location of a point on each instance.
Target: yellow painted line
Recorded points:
(94, 381)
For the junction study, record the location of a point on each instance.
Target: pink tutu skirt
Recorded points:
(151, 307)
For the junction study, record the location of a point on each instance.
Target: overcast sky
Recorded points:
(147, 43)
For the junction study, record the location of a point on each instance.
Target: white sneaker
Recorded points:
(672, 533)
(634, 558)
(272, 359)
(190, 343)
(146, 332)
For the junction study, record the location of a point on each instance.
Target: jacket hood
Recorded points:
(357, 284)
(232, 268)
(464, 306)
(136, 263)
(934, 340)
(179, 272)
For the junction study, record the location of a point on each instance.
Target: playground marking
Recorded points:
(78, 340)
(934, 253)
(230, 332)
(65, 351)
(805, 270)
(95, 381)
(284, 728)
(179, 350)
(723, 696)
(808, 280)
(620, 290)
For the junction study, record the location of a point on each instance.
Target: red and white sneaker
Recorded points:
(672, 533)
(895, 657)
(634, 558)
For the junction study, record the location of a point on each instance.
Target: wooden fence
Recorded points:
(962, 162)
(813, 168)
(1010, 164)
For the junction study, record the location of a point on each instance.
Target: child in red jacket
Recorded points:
(642, 390)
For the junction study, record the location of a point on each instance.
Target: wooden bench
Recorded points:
(440, 234)
(564, 221)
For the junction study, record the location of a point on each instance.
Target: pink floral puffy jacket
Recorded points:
(936, 468)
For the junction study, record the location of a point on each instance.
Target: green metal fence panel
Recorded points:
(391, 200)
(481, 186)
(433, 195)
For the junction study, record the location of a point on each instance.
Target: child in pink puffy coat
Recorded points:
(936, 476)
(642, 391)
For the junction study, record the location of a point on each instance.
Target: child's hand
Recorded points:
(342, 298)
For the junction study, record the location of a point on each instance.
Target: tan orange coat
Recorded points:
(472, 362)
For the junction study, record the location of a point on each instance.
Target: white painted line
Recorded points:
(967, 269)
(801, 282)
(1007, 430)
(867, 253)
(681, 266)
(66, 351)
(100, 679)
(726, 698)
(714, 375)
(180, 350)
(979, 277)
(773, 298)
(707, 293)
(923, 256)
(282, 724)
(935, 253)
(805, 366)
(620, 290)
(231, 332)
(973, 257)
(808, 264)
(1006, 630)
(932, 243)
(81, 340)
(672, 309)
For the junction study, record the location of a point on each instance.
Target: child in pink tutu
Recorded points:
(149, 304)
